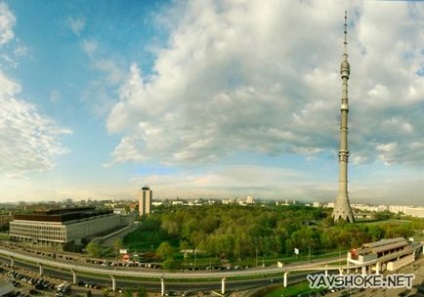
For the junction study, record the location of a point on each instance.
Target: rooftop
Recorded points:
(62, 215)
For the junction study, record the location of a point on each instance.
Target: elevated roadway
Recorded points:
(253, 273)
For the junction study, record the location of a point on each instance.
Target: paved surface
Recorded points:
(417, 268)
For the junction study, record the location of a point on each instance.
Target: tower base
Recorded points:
(342, 210)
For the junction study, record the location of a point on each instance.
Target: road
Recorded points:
(154, 286)
(159, 274)
(182, 279)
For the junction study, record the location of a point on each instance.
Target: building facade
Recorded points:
(5, 220)
(145, 201)
(58, 227)
(387, 254)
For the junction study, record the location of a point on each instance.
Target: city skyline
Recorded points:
(209, 99)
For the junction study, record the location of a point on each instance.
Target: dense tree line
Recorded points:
(248, 231)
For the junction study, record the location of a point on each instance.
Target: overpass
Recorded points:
(74, 268)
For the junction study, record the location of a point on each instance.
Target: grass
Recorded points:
(4, 236)
(294, 290)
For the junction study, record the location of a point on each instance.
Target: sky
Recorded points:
(221, 99)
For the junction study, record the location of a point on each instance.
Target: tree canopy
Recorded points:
(234, 231)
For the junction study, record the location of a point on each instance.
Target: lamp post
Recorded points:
(195, 258)
(256, 256)
(309, 254)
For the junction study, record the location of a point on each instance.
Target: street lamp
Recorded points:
(309, 254)
(194, 257)
(256, 256)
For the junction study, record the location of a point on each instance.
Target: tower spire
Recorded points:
(345, 36)
(342, 209)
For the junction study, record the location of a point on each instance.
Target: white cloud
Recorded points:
(8, 87)
(55, 96)
(111, 71)
(29, 141)
(21, 51)
(7, 22)
(260, 181)
(97, 95)
(89, 47)
(76, 25)
(264, 77)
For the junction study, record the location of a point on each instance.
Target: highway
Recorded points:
(159, 274)
(151, 278)
(154, 285)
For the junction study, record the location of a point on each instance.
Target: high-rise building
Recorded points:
(145, 201)
(342, 209)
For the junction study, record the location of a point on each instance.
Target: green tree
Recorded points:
(117, 246)
(94, 249)
(141, 292)
(128, 292)
(171, 264)
(165, 251)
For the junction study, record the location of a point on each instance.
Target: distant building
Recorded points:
(128, 219)
(5, 220)
(145, 201)
(367, 207)
(250, 200)
(59, 226)
(316, 204)
(329, 205)
(364, 215)
(157, 203)
(408, 210)
(178, 202)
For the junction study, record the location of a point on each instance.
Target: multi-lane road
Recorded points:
(155, 285)
(161, 274)
(130, 276)
(155, 277)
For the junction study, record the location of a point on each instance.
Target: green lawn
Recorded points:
(4, 236)
(294, 290)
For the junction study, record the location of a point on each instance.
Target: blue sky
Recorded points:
(209, 99)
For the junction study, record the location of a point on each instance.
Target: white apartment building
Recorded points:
(414, 211)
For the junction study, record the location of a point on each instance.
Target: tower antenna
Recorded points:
(345, 35)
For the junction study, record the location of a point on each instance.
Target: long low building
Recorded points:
(60, 226)
(380, 253)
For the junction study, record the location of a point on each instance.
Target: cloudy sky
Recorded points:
(209, 99)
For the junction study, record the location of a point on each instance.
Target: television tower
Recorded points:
(342, 209)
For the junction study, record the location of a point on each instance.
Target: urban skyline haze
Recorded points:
(210, 99)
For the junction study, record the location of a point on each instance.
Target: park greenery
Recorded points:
(240, 232)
